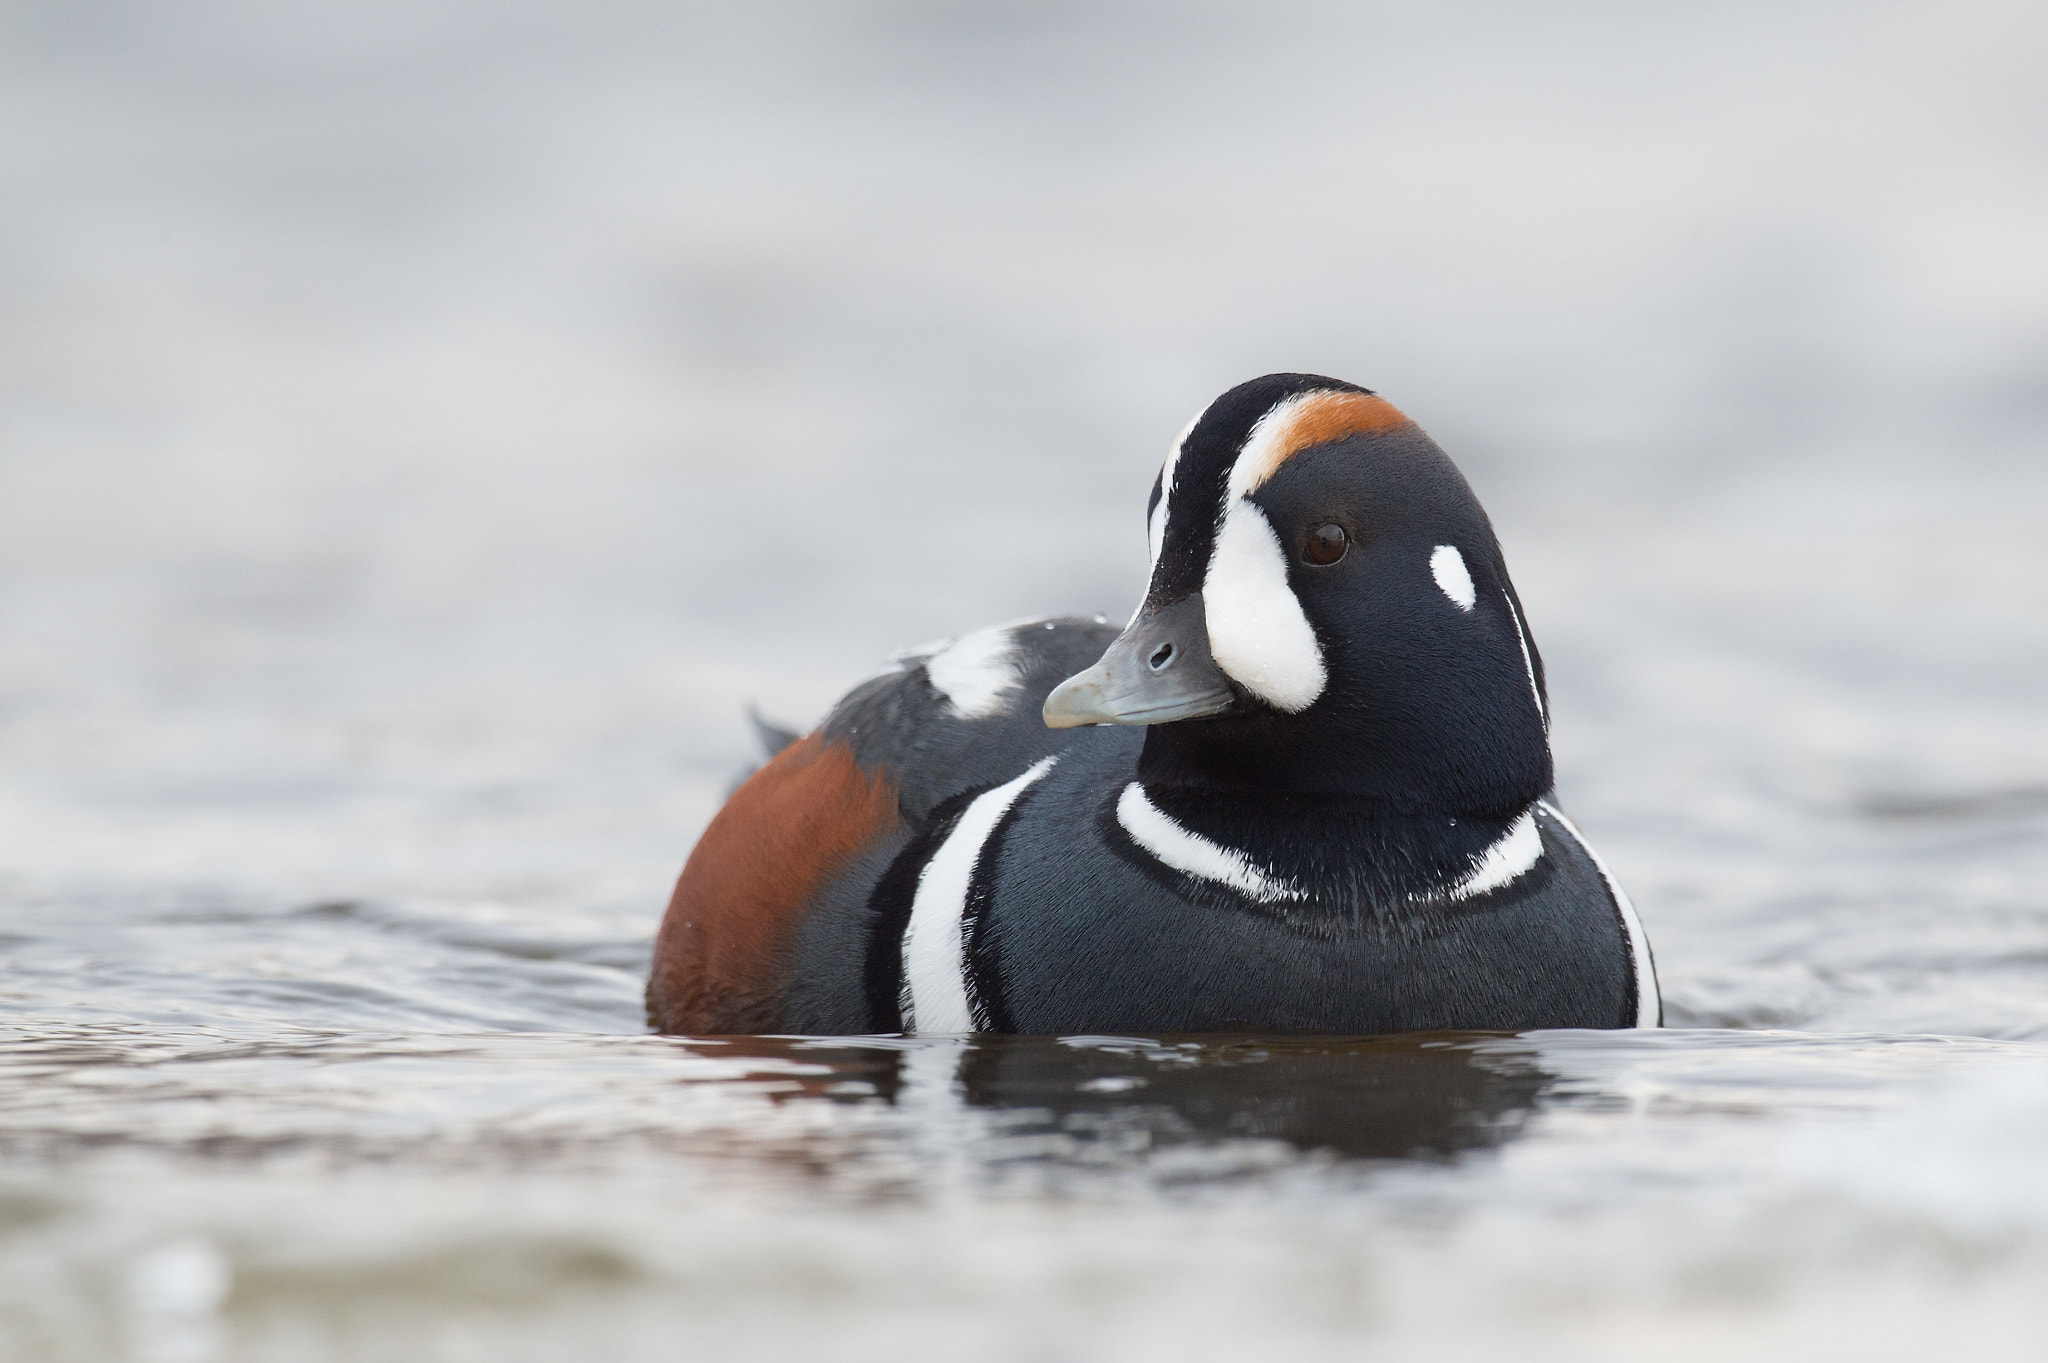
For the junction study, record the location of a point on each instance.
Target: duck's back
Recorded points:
(808, 834)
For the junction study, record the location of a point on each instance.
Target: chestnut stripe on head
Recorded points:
(1307, 419)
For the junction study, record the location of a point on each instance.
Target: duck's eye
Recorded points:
(1326, 544)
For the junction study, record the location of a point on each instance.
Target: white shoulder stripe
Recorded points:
(1194, 854)
(1649, 999)
(934, 950)
(1520, 848)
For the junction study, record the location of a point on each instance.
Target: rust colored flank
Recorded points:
(721, 958)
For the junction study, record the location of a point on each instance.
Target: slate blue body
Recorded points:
(1078, 931)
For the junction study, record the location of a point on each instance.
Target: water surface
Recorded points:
(425, 429)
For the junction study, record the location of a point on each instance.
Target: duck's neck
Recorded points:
(1351, 828)
(1401, 771)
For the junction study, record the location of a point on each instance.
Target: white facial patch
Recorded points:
(1447, 566)
(976, 671)
(1520, 848)
(1258, 633)
(934, 947)
(1193, 854)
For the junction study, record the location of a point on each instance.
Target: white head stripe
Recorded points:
(1518, 849)
(1447, 566)
(1649, 999)
(1257, 631)
(1529, 664)
(934, 948)
(1155, 528)
(1262, 449)
(1193, 854)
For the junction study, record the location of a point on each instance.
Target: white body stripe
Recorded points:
(1520, 848)
(1528, 661)
(1258, 633)
(1194, 854)
(1649, 1001)
(934, 950)
(1447, 566)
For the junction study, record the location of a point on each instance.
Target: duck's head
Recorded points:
(1328, 613)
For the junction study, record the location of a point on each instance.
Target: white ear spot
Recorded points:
(1257, 631)
(1447, 566)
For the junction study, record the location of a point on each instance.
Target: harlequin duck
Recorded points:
(1307, 788)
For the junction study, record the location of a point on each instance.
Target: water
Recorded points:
(424, 431)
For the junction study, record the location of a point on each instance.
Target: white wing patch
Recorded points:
(1520, 848)
(1447, 566)
(976, 671)
(1257, 631)
(1649, 998)
(1194, 854)
(934, 950)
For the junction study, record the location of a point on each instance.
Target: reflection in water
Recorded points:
(1096, 1100)
(1364, 1098)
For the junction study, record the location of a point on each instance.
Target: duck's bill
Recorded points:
(1158, 670)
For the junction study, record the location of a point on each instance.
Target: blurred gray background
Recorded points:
(425, 427)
